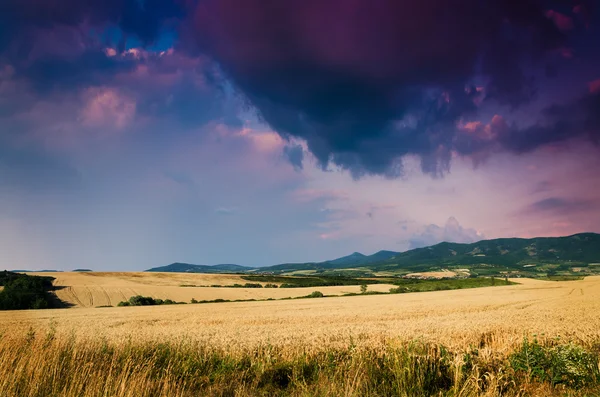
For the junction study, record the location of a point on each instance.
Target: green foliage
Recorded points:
(139, 300)
(315, 294)
(416, 285)
(190, 368)
(312, 281)
(484, 258)
(567, 364)
(363, 288)
(23, 292)
(564, 278)
(252, 285)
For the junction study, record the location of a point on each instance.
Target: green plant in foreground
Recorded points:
(567, 364)
(55, 365)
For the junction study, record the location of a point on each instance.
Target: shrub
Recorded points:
(22, 292)
(568, 364)
(139, 300)
(315, 294)
(253, 285)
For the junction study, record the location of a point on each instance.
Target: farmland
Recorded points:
(93, 289)
(240, 348)
(454, 318)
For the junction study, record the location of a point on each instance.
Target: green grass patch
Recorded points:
(413, 285)
(313, 281)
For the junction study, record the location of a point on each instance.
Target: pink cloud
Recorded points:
(107, 107)
(490, 131)
(594, 86)
(561, 21)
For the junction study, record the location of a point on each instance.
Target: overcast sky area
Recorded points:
(137, 133)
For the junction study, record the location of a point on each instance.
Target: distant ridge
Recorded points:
(178, 267)
(553, 254)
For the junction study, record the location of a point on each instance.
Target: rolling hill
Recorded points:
(189, 268)
(547, 255)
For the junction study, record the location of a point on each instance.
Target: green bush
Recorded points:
(315, 294)
(567, 364)
(139, 300)
(23, 292)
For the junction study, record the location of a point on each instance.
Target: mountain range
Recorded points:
(541, 254)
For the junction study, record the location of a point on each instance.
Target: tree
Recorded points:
(363, 288)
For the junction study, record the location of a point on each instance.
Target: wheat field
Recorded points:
(470, 342)
(455, 318)
(93, 289)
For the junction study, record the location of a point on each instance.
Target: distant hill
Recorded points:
(189, 268)
(357, 258)
(82, 270)
(547, 255)
(36, 271)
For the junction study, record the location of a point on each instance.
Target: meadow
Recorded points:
(535, 338)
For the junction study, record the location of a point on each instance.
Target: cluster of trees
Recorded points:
(139, 300)
(23, 292)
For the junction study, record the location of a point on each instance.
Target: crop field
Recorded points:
(537, 338)
(454, 318)
(93, 289)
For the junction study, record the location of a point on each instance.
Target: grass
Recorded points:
(564, 278)
(313, 281)
(413, 285)
(451, 343)
(45, 364)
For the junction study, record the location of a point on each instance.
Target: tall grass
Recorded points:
(47, 365)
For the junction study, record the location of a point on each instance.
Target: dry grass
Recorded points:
(45, 365)
(342, 346)
(93, 289)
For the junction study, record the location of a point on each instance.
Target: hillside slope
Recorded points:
(532, 257)
(189, 268)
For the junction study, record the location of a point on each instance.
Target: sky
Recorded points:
(137, 133)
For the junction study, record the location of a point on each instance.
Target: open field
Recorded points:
(455, 318)
(93, 289)
(471, 342)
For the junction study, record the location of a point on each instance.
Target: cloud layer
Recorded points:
(365, 83)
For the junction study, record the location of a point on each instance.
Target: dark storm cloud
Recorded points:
(363, 82)
(141, 18)
(562, 206)
(60, 43)
(580, 118)
(367, 82)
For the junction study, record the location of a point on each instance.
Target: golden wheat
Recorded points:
(456, 318)
(93, 289)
